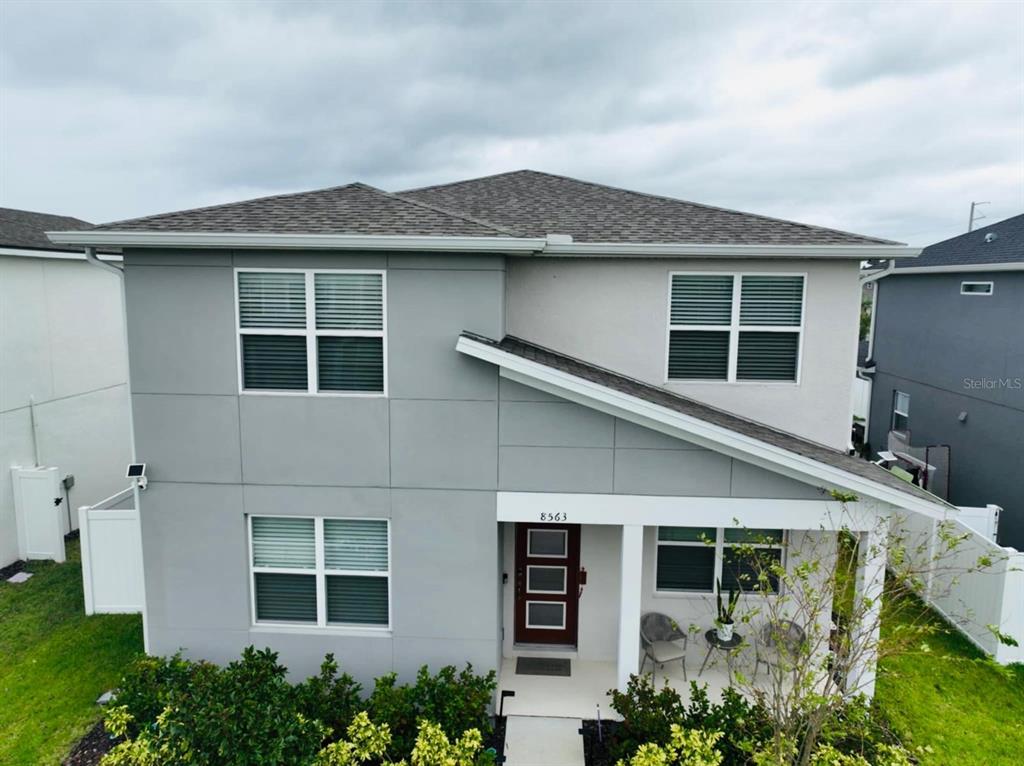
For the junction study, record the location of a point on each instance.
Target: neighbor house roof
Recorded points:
(648, 404)
(538, 204)
(352, 209)
(998, 243)
(27, 229)
(513, 211)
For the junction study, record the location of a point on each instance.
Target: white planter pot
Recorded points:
(725, 632)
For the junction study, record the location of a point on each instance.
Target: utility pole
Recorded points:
(970, 223)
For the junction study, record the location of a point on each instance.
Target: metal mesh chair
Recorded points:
(777, 643)
(662, 641)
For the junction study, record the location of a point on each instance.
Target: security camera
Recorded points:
(137, 471)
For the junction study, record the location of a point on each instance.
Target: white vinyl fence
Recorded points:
(977, 599)
(111, 555)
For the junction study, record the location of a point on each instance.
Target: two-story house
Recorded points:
(481, 420)
(947, 356)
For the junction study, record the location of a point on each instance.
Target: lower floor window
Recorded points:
(321, 571)
(693, 559)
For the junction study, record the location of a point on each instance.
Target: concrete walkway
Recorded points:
(539, 741)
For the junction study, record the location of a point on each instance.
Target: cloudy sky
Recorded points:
(886, 119)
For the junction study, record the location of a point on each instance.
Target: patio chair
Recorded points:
(661, 641)
(778, 642)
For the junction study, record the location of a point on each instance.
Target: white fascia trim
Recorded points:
(619, 249)
(959, 269)
(55, 255)
(692, 429)
(302, 241)
(511, 245)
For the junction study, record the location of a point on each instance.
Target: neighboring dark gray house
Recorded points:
(484, 420)
(948, 354)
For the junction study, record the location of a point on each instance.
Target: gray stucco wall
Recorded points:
(931, 342)
(425, 457)
(614, 313)
(430, 457)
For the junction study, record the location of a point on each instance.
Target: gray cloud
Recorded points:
(886, 119)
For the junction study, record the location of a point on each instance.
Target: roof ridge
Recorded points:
(201, 208)
(439, 209)
(662, 197)
(1002, 222)
(466, 180)
(667, 391)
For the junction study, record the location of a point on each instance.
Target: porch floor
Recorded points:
(579, 695)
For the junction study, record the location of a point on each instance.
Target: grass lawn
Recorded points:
(55, 661)
(945, 694)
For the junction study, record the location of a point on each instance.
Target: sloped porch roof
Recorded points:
(659, 409)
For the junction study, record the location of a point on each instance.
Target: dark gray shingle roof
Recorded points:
(352, 209)
(540, 203)
(25, 229)
(685, 406)
(971, 248)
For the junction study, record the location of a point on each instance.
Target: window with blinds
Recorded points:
(312, 331)
(692, 559)
(735, 327)
(321, 571)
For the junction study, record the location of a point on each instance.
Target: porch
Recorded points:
(620, 579)
(586, 689)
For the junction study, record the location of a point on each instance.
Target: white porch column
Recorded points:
(868, 600)
(631, 573)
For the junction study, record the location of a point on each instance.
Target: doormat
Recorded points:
(543, 666)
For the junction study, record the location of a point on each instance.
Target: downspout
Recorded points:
(871, 336)
(90, 258)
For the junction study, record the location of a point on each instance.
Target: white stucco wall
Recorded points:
(614, 313)
(61, 342)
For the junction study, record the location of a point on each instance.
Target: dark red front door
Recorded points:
(547, 583)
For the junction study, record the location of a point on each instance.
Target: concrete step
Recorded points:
(543, 741)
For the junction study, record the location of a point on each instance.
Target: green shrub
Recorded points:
(329, 698)
(647, 715)
(456, 701)
(746, 724)
(242, 715)
(144, 689)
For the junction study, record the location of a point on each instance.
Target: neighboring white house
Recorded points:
(62, 365)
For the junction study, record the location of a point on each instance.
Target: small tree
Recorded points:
(808, 680)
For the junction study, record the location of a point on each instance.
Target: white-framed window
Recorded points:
(547, 543)
(546, 579)
(976, 288)
(693, 559)
(322, 572)
(545, 615)
(311, 331)
(735, 327)
(900, 411)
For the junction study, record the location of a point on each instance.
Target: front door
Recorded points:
(547, 583)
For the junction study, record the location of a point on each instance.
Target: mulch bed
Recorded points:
(91, 748)
(497, 738)
(12, 569)
(595, 745)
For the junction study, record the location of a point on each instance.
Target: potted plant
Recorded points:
(726, 610)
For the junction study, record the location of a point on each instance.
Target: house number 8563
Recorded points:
(554, 517)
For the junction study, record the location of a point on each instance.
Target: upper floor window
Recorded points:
(320, 571)
(735, 327)
(311, 331)
(976, 288)
(900, 411)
